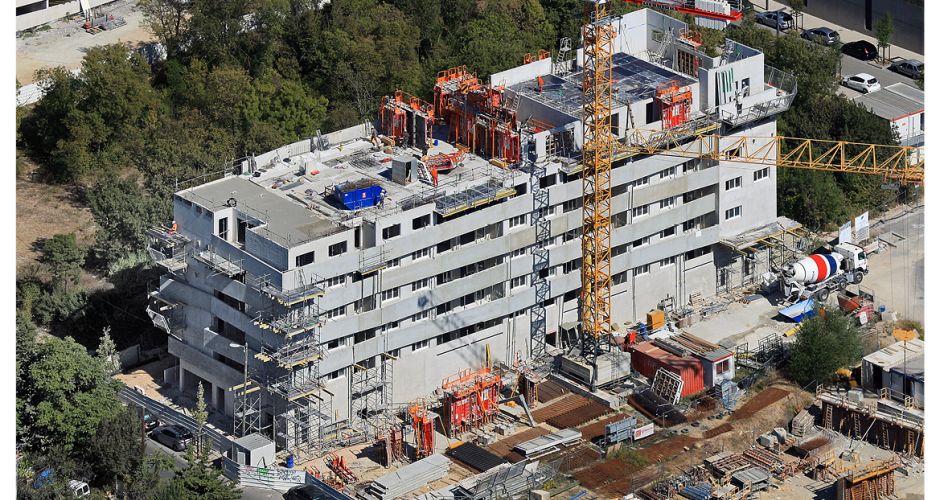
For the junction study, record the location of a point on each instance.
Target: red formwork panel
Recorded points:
(647, 358)
(471, 399)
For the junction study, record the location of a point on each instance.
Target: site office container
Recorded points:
(646, 358)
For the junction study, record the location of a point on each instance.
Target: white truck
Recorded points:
(818, 274)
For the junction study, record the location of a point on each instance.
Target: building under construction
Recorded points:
(315, 288)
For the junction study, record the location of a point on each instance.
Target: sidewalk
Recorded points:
(845, 34)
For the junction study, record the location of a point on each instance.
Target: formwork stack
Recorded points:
(470, 399)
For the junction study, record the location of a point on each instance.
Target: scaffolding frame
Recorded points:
(168, 248)
(371, 395)
(540, 254)
(288, 382)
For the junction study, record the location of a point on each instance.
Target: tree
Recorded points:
(884, 30)
(200, 480)
(116, 451)
(44, 127)
(107, 353)
(123, 212)
(798, 6)
(64, 258)
(145, 481)
(826, 342)
(62, 394)
(200, 415)
(167, 20)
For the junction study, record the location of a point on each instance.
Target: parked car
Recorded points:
(305, 492)
(860, 50)
(151, 421)
(908, 67)
(824, 36)
(776, 18)
(175, 437)
(862, 82)
(79, 488)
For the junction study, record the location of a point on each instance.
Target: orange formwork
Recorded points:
(407, 119)
(477, 115)
(470, 399)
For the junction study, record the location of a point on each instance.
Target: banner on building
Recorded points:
(862, 227)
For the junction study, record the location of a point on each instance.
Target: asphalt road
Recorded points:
(168, 415)
(852, 66)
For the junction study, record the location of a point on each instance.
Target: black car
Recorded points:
(860, 50)
(306, 492)
(825, 36)
(175, 437)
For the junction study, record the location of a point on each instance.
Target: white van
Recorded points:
(79, 488)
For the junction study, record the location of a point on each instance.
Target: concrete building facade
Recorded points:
(365, 309)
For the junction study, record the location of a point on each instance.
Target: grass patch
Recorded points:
(630, 456)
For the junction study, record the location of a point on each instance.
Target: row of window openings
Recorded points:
(515, 283)
(494, 230)
(735, 183)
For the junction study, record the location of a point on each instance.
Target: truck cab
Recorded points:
(854, 257)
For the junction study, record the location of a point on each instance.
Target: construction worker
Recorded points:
(541, 82)
(173, 228)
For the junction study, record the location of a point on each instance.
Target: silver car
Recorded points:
(825, 36)
(776, 19)
(908, 67)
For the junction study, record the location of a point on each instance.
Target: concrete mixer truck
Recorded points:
(818, 274)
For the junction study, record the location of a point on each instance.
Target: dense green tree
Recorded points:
(116, 451)
(123, 213)
(64, 394)
(504, 33)
(64, 258)
(826, 342)
(45, 125)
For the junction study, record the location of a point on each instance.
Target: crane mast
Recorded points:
(598, 35)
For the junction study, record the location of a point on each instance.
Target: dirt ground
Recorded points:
(65, 42)
(44, 210)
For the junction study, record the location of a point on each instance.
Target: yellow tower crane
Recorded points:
(597, 157)
(697, 139)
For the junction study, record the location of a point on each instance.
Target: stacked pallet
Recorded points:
(409, 478)
(802, 424)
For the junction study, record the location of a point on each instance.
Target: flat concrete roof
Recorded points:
(893, 355)
(894, 101)
(287, 221)
(294, 194)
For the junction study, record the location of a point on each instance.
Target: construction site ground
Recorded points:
(64, 42)
(44, 210)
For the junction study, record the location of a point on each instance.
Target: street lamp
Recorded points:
(244, 382)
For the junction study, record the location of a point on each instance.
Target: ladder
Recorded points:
(827, 420)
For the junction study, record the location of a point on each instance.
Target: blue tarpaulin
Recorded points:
(800, 311)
